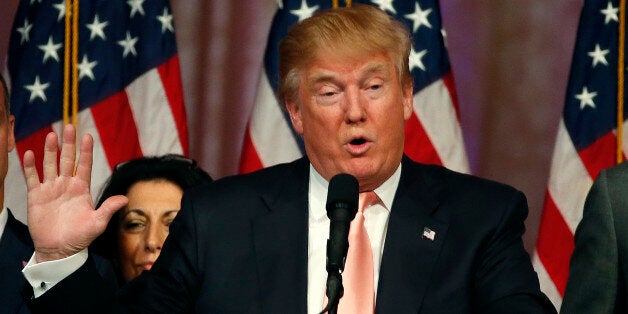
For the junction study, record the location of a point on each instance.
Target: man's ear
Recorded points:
(295, 115)
(408, 101)
(11, 136)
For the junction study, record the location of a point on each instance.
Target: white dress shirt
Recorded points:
(4, 217)
(375, 222)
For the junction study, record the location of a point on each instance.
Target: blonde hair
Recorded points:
(357, 30)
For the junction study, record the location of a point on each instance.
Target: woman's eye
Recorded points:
(168, 222)
(133, 226)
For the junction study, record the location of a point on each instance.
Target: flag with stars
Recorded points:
(585, 144)
(130, 96)
(433, 133)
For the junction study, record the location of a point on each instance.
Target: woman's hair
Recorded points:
(173, 168)
(360, 30)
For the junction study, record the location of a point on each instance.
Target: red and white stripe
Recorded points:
(146, 118)
(571, 176)
(268, 139)
(433, 133)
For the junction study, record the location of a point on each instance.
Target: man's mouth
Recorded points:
(358, 146)
(357, 141)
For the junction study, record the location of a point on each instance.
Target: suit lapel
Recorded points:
(15, 243)
(280, 239)
(413, 241)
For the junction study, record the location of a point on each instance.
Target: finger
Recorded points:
(30, 171)
(109, 207)
(50, 157)
(86, 158)
(68, 151)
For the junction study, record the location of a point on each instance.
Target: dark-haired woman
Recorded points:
(136, 233)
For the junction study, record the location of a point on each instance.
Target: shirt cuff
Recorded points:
(43, 276)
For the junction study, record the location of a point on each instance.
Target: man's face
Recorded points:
(351, 113)
(7, 141)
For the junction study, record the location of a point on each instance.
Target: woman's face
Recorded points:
(144, 224)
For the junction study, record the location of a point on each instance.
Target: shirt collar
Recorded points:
(318, 192)
(4, 217)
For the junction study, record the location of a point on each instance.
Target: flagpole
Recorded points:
(66, 62)
(334, 4)
(620, 80)
(75, 38)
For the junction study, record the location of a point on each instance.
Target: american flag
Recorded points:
(130, 96)
(433, 134)
(585, 144)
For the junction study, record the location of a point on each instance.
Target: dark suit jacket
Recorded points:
(240, 245)
(599, 265)
(16, 247)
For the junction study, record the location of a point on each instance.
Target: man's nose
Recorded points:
(355, 109)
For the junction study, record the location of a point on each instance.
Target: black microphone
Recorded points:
(342, 205)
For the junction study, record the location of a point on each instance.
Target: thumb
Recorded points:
(109, 207)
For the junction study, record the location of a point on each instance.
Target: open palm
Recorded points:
(62, 219)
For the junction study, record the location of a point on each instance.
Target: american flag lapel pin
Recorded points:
(428, 234)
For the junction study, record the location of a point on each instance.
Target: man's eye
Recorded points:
(375, 87)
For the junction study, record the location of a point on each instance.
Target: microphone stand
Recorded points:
(334, 292)
(342, 205)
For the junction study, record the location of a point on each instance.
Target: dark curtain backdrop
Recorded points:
(510, 61)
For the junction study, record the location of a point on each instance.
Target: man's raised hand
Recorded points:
(61, 217)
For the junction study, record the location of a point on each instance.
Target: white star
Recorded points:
(385, 5)
(86, 68)
(97, 28)
(166, 21)
(25, 31)
(419, 17)
(136, 6)
(61, 8)
(415, 59)
(37, 90)
(599, 55)
(610, 13)
(304, 11)
(129, 45)
(280, 4)
(50, 49)
(444, 34)
(586, 98)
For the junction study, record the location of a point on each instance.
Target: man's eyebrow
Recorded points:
(375, 68)
(321, 77)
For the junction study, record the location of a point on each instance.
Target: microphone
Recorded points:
(342, 205)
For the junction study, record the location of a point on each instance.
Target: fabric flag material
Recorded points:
(433, 133)
(130, 96)
(586, 142)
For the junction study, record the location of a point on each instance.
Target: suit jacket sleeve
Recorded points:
(505, 280)
(595, 284)
(90, 289)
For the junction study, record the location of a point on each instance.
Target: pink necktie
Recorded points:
(359, 292)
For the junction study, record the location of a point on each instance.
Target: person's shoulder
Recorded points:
(620, 170)
(260, 179)
(247, 188)
(461, 182)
